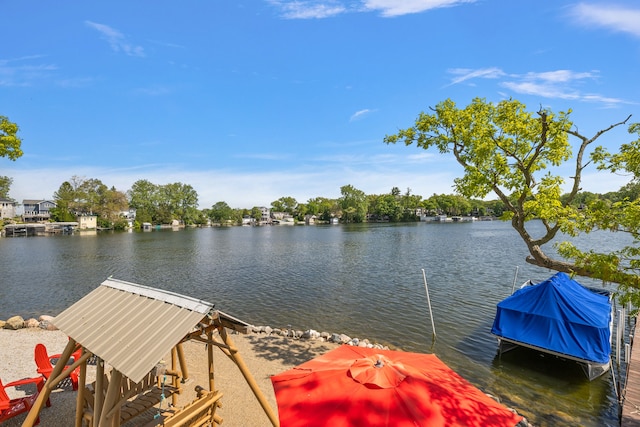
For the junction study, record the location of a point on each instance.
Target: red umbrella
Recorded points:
(354, 386)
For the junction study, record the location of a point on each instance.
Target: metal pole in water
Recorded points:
(515, 278)
(426, 287)
(618, 336)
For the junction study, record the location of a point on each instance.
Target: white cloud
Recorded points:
(464, 74)
(22, 72)
(319, 9)
(555, 84)
(615, 18)
(116, 39)
(308, 9)
(360, 114)
(390, 8)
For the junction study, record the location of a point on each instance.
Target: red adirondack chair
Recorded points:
(45, 367)
(9, 408)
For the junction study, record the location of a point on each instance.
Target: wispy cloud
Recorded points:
(360, 114)
(117, 41)
(556, 84)
(464, 74)
(319, 9)
(23, 72)
(310, 9)
(390, 8)
(616, 18)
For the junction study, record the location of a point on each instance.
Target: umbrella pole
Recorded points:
(433, 326)
(235, 356)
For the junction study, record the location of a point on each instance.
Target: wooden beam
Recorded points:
(235, 356)
(34, 413)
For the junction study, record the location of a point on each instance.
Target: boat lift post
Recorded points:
(426, 287)
(515, 278)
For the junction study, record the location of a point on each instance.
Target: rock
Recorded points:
(310, 334)
(268, 330)
(15, 322)
(2, 323)
(48, 326)
(31, 323)
(45, 318)
(344, 339)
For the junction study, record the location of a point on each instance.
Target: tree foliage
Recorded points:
(5, 186)
(82, 196)
(509, 151)
(10, 145)
(9, 141)
(353, 203)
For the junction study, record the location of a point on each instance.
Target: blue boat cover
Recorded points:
(560, 315)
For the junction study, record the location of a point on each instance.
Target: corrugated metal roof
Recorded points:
(130, 326)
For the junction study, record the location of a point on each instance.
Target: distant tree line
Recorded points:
(161, 204)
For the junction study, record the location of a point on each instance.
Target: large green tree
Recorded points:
(509, 151)
(354, 204)
(5, 186)
(9, 141)
(10, 145)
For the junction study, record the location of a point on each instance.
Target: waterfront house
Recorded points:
(37, 210)
(7, 208)
(87, 222)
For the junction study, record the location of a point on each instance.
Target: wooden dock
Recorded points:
(631, 403)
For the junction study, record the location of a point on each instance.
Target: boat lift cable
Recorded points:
(426, 287)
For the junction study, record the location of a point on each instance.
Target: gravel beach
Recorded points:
(264, 356)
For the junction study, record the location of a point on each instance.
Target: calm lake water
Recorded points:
(362, 280)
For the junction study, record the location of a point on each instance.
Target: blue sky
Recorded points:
(250, 101)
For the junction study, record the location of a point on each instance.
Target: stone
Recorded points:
(268, 330)
(344, 339)
(15, 322)
(31, 323)
(2, 323)
(49, 326)
(45, 318)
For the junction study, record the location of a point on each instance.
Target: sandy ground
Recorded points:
(263, 355)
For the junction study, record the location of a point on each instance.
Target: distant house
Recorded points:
(129, 216)
(37, 210)
(7, 208)
(87, 222)
(266, 216)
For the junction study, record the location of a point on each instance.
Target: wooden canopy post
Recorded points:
(49, 385)
(235, 356)
(82, 381)
(111, 400)
(98, 393)
(183, 364)
(210, 360)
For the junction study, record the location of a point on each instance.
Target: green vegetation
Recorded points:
(10, 148)
(509, 151)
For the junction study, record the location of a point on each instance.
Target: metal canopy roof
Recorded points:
(131, 327)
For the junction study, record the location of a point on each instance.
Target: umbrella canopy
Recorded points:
(354, 386)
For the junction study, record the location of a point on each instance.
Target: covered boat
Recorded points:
(558, 316)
